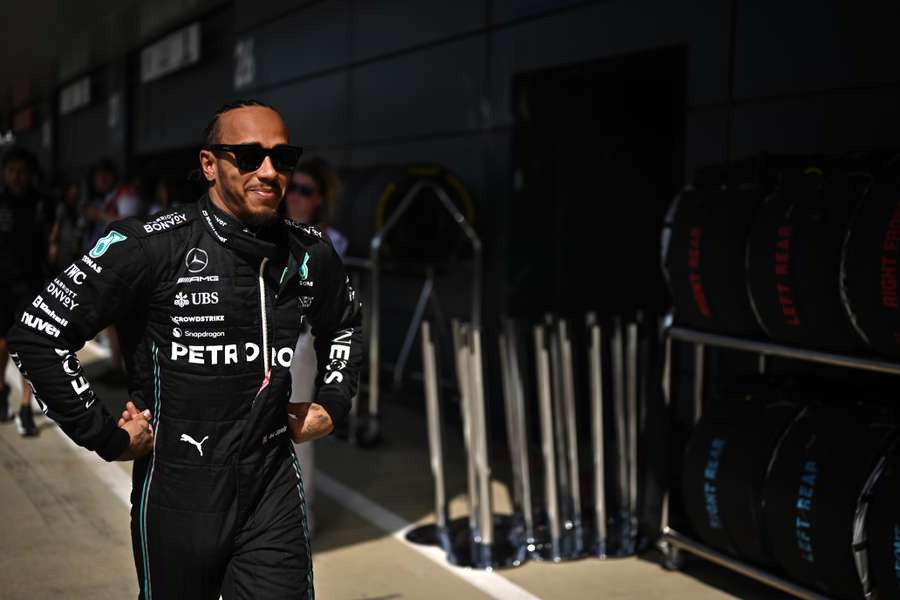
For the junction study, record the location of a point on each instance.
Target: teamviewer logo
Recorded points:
(181, 300)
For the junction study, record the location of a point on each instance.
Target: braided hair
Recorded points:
(211, 131)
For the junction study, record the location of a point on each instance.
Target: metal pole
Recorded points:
(433, 409)
(667, 372)
(462, 374)
(512, 434)
(618, 380)
(481, 445)
(518, 406)
(596, 379)
(418, 315)
(568, 381)
(632, 420)
(547, 439)
(374, 329)
(475, 241)
(698, 380)
(665, 324)
(559, 419)
(771, 349)
(354, 403)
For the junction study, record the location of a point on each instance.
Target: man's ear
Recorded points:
(208, 165)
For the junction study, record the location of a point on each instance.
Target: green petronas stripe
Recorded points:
(147, 477)
(309, 570)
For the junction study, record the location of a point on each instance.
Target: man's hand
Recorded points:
(131, 412)
(308, 421)
(140, 432)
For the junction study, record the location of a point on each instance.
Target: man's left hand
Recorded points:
(308, 421)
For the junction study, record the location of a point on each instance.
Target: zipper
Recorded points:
(265, 326)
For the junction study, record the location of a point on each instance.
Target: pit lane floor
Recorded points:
(64, 528)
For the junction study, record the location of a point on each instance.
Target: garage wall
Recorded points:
(367, 81)
(375, 81)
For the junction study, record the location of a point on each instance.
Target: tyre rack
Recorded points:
(672, 543)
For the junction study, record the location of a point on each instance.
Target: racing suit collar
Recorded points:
(221, 224)
(269, 242)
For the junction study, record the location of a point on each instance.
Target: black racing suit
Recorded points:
(208, 316)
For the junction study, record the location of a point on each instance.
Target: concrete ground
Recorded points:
(64, 531)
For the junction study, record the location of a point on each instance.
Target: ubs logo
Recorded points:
(196, 260)
(196, 298)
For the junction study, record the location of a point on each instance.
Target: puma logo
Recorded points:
(186, 438)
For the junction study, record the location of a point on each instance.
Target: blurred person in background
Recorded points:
(23, 266)
(125, 201)
(67, 231)
(111, 201)
(164, 196)
(101, 187)
(311, 198)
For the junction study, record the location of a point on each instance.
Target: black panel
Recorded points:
(597, 155)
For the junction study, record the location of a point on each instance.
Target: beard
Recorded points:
(253, 215)
(259, 217)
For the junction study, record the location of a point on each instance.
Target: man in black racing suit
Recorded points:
(208, 299)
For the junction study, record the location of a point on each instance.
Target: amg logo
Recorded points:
(198, 279)
(165, 222)
(40, 324)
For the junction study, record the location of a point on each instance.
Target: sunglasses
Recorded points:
(303, 190)
(249, 157)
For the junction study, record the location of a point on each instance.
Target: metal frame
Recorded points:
(374, 264)
(671, 541)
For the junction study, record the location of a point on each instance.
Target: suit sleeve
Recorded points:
(94, 291)
(336, 320)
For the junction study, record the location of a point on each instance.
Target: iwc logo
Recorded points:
(196, 260)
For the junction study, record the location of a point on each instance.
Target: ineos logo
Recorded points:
(69, 362)
(196, 260)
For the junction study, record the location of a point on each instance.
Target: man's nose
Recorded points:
(267, 170)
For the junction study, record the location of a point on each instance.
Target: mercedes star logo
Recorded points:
(196, 260)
